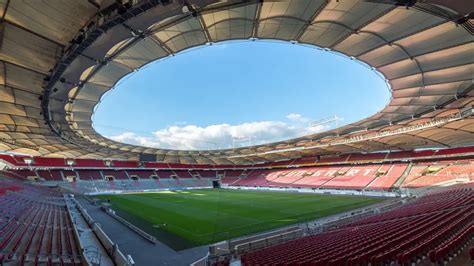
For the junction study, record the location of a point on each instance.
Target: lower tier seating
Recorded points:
(434, 224)
(96, 174)
(368, 177)
(35, 228)
(96, 186)
(374, 177)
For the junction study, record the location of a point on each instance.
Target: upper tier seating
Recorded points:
(56, 174)
(432, 224)
(367, 157)
(410, 154)
(282, 163)
(89, 175)
(124, 164)
(45, 174)
(233, 173)
(25, 173)
(305, 161)
(69, 173)
(166, 173)
(203, 166)
(143, 174)
(183, 174)
(49, 162)
(333, 159)
(207, 174)
(116, 174)
(89, 163)
(156, 165)
(180, 166)
(50, 174)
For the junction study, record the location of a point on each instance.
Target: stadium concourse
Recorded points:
(409, 167)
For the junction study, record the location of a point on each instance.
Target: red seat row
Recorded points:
(35, 230)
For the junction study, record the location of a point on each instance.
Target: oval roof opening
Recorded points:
(239, 93)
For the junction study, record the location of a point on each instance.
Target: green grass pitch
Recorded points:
(183, 219)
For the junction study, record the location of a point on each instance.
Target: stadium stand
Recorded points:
(35, 227)
(233, 173)
(183, 174)
(115, 174)
(142, 174)
(89, 175)
(333, 159)
(367, 157)
(354, 177)
(287, 177)
(367, 176)
(69, 174)
(207, 173)
(89, 163)
(436, 224)
(56, 175)
(304, 161)
(166, 173)
(229, 180)
(101, 186)
(21, 173)
(124, 164)
(431, 173)
(373, 176)
(49, 162)
(387, 175)
(284, 163)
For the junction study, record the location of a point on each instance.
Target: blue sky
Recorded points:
(263, 90)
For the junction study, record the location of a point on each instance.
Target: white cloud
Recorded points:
(218, 136)
(297, 118)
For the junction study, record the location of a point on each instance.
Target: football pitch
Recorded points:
(184, 219)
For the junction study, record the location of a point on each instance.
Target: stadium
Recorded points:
(393, 188)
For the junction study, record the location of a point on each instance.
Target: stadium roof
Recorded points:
(59, 58)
